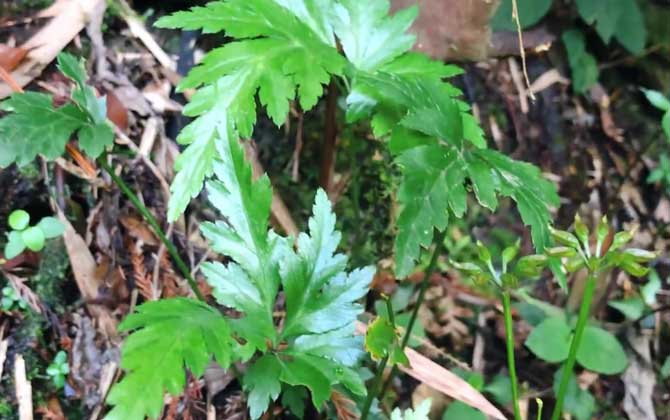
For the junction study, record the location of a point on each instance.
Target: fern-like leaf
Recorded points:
(169, 335)
(282, 46)
(316, 347)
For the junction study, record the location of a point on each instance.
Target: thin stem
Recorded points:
(438, 242)
(509, 341)
(584, 311)
(179, 262)
(382, 366)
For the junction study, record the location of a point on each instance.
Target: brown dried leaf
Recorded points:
(10, 57)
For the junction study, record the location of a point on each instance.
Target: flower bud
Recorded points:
(467, 267)
(484, 253)
(561, 252)
(565, 238)
(581, 230)
(640, 255)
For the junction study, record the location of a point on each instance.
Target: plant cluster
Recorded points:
(291, 303)
(24, 236)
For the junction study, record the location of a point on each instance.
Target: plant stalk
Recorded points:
(438, 243)
(509, 341)
(584, 311)
(172, 250)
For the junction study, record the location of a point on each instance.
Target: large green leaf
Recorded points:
(550, 340)
(283, 47)
(168, 336)
(316, 346)
(582, 64)
(601, 352)
(621, 19)
(369, 36)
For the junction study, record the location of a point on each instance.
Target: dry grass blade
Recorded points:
(24, 390)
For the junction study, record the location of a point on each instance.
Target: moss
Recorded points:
(50, 281)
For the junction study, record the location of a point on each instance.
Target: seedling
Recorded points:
(58, 369)
(588, 343)
(11, 300)
(506, 280)
(25, 236)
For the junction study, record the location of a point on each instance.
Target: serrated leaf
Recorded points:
(168, 336)
(284, 47)
(621, 19)
(316, 346)
(601, 352)
(369, 36)
(261, 380)
(550, 340)
(23, 137)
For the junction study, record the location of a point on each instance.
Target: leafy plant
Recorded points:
(583, 65)
(314, 347)
(25, 236)
(11, 300)
(419, 413)
(23, 137)
(59, 369)
(577, 253)
(618, 19)
(527, 267)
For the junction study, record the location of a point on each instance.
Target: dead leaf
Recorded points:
(116, 112)
(84, 269)
(10, 57)
(139, 230)
(639, 379)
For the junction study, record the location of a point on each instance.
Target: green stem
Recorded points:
(172, 250)
(509, 341)
(438, 242)
(584, 311)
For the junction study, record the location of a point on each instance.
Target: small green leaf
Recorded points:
(34, 238)
(51, 227)
(665, 369)
(657, 99)
(19, 219)
(261, 380)
(632, 308)
(461, 411)
(530, 12)
(72, 67)
(15, 245)
(94, 138)
(550, 340)
(649, 290)
(583, 65)
(601, 352)
(382, 340)
(578, 402)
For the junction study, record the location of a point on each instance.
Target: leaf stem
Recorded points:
(179, 262)
(438, 243)
(584, 311)
(509, 341)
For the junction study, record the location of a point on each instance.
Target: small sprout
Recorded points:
(603, 229)
(510, 254)
(59, 369)
(31, 237)
(639, 255)
(621, 239)
(11, 300)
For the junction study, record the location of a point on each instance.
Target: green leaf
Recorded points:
(261, 380)
(168, 336)
(94, 138)
(281, 50)
(530, 12)
(501, 389)
(651, 288)
(578, 402)
(583, 65)
(601, 352)
(369, 36)
(460, 411)
(15, 245)
(23, 137)
(657, 99)
(33, 238)
(293, 397)
(632, 308)
(550, 340)
(72, 67)
(318, 346)
(19, 219)
(419, 413)
(621, 19)
(51, 227)
(665, 369)
(382, 340)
